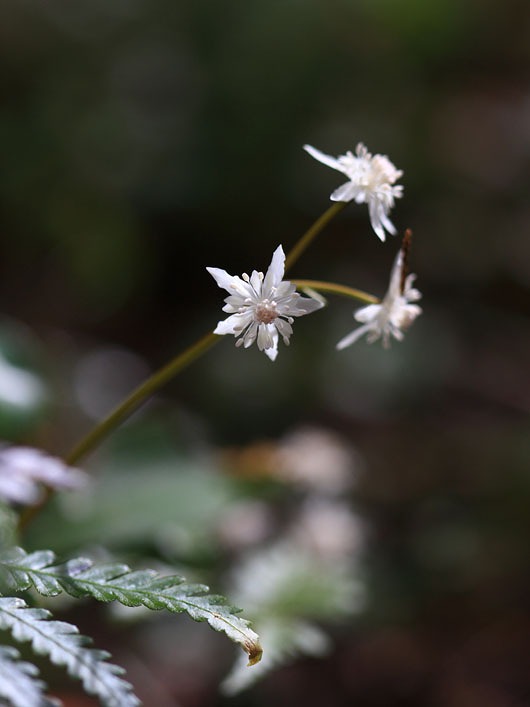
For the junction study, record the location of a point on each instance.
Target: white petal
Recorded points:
(346, 192)
(250, 335)
(353, 336)
(273, 351)
(387, 223)
(368, 313)
(379, 230)
(322, 157)
(305, 305)
(222, 278)
(375, 220)
(284, 329)
(231, 283)
(394, 289)
(233, 325)
(275, 272)
(411, 294)
(255, 281)
(284, 289)
(233, 303)
(266, 336)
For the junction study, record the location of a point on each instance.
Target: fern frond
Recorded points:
(117, 582)
(64, 646)
(19, 684)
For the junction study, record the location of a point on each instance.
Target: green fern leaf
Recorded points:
(116, 582)
(19, 685)
(64, 646)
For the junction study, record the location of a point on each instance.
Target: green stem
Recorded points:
(312, 232)
(122, 412)
(161, 377)
(165, 374)
(334, 289)
(134, 400)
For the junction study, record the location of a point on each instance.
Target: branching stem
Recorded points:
(133, 401)
(334, 289)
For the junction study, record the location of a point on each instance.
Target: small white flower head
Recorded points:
(261, 307)
(372, 181)
(395, 313)
(23, 470)
(317, 460)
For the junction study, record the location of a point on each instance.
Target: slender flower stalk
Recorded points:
(334, 289)
(311, 233)
(132, 402)
(176, 365)
(124, 410)
(139, 395)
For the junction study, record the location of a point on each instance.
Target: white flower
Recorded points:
(19, 387)
(261, 306)
(22, 469)
(317, 460)
(371, 182)
(394, 314)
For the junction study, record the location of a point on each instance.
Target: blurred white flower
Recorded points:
(393, 315)
(317, 459)
(286, 589)
(328, 529)
(18, 387)
(23, 469)
(372, 179)
(245, 524)
(261, 306)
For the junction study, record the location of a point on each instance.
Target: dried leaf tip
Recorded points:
(254, 650)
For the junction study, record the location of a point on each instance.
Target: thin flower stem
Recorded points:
(122, 412)
(312, 232)
(334, 289)
(161, 377)
(144, 391)
(125, 409)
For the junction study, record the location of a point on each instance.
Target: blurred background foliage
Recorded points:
(141, 142)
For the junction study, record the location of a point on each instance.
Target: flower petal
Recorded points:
(275, 272)
(346, 192)
(284, 329)
(233, 324)
(272, 353)
(230, 283)
(222, 278)
(322, 157)
(352, 337)
(305, 305)
(266, 336)
(368, 313)
(256, 280)
(394, 289)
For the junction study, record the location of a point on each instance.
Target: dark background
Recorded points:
(142, 141)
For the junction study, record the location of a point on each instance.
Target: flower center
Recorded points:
(265, 312)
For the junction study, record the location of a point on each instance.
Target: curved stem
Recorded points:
(167, 372)
(334, 289)
(120, 413)
(312, 232)
(144, 391)
(161, 377)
